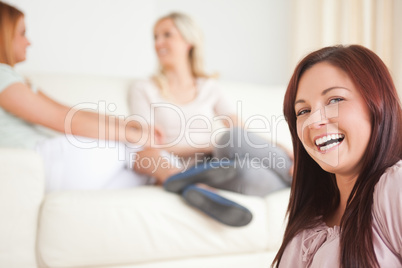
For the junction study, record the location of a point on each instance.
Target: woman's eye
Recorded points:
(301, 112)
(335, 100)
(167, 34)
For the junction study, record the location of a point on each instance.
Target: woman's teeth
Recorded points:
(327, 142)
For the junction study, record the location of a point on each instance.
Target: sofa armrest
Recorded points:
(21, 194)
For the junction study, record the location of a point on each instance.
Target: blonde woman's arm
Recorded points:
(188, 151)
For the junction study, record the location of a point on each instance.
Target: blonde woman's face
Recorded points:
(20, 41)
(170, 46)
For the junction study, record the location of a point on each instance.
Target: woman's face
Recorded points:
(333, 120)
(20, 41)
(170, 46)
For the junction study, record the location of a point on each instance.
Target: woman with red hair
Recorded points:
(345, 118)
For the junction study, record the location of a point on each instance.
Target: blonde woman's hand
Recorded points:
(158, 135)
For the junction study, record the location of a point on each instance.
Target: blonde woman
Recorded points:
(23, 107)
(184, 102)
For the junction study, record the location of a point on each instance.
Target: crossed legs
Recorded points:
(262, 167)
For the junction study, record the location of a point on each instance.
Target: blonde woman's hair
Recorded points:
(9, 17)
(192, 34)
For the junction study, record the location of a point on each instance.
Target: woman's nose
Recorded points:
(158, 41)
(317, 119)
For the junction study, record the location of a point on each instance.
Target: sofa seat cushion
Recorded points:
(94, 228)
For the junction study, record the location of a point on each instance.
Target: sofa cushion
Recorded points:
(21, 194)
(84, 228)
(277, 204)
(95, 92)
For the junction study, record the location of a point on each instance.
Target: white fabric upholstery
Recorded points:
(251, 259)
(142, 227)
(21, 194)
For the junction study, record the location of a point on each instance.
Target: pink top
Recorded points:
(319, 247)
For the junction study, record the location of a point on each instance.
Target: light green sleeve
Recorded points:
(8, 76)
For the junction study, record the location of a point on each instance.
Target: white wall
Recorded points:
(246, 40)
(109, 37)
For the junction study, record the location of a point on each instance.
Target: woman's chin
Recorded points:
(20, 59)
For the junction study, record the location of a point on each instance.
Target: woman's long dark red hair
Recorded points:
(314, 192)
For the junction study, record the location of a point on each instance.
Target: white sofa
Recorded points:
(143, 227)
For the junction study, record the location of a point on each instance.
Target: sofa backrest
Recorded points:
(260, 107)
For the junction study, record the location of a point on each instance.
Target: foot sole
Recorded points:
(232, 215)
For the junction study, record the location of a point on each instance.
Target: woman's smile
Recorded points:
(328, 141)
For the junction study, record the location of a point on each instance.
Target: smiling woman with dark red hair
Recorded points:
(345, 118)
